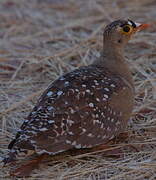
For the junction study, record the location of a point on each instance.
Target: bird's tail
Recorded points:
(10, 157)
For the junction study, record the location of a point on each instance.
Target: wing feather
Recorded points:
(73, 112)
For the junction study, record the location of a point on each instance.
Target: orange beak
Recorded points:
(140, 27)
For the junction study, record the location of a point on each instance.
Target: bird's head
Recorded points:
(119, 32)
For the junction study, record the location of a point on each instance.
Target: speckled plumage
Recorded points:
(83, 108)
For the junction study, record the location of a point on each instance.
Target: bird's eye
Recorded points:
(126, 29)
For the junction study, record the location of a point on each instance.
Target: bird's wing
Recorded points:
(73, 112)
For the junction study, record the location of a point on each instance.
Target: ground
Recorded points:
(40, 40)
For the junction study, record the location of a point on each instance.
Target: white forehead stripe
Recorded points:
(137, 24)
(129, 23)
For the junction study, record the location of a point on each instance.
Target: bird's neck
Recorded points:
(114, 60)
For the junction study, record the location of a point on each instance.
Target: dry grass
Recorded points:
(40, 40)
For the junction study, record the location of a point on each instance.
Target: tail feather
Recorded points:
(10, 157)
(10, 146)
(16, 147)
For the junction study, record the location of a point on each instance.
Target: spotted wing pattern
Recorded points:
(76, 111)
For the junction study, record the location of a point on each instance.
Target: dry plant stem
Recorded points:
(16, 105)
(65, 52)
(25, 29)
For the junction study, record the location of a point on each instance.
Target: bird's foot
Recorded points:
(122, 137)
(114, 148)
(109, 150)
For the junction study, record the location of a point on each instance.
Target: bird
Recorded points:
(86, 107)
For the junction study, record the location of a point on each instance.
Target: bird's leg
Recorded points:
(25, 169)
(110, 149)
(122, 137)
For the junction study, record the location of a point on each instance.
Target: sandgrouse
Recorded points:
(86, 107)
